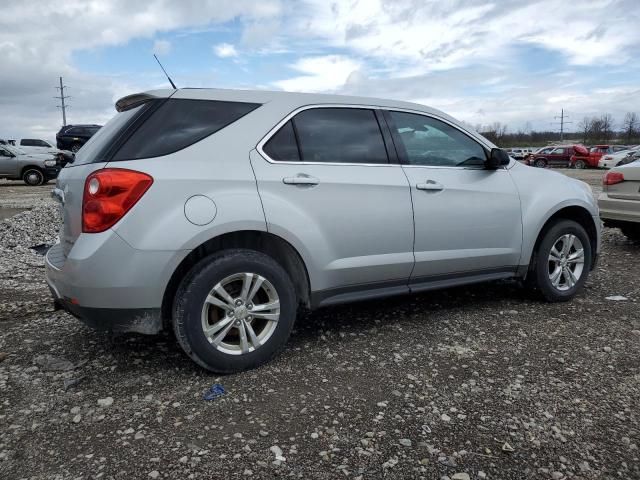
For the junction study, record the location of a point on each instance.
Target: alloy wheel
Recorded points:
(240, 313)
(566, 262)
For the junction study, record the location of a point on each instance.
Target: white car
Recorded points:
(37, 145)
(611, 160)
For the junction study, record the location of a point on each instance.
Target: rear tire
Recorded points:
(540, 163)
(580, 164)
(33, 177)
(559, 281)
(216, 296)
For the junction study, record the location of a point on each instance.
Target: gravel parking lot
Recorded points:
(475, 382)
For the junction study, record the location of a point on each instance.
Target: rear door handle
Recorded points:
(430, 185)
(301, 180)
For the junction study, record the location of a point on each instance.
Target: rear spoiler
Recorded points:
(131, 101)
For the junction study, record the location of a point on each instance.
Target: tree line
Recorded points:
(591, 131)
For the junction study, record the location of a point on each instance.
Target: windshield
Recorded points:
(15, 150)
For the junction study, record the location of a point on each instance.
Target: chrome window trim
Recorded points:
(292, 114)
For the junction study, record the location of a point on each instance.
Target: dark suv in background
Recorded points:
(72, 137)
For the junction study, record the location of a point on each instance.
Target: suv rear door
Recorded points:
(467, 219)
(326, 184)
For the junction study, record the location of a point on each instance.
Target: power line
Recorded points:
(62, 98)
(562, 122)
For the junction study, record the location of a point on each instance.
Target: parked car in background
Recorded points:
(591, 158)
(37, 145)
(73, 137)
(225, 211)
(611, 160)
(554, 156)
(620, 199)
(517, 153)
(33, 168)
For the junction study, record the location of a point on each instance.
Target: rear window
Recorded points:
(283, 146)
(178, 123)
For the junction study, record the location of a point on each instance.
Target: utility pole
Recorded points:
(62, 98)
(563, 122)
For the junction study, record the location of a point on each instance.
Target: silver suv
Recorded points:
(219, 213)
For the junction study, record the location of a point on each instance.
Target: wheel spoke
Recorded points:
(567, 243)
(246, 285)
(218, 339)
(244, 345)
(256, 286)
(272, 317)
(219, 303)
(555, 276)
(216, 327)
(554, 254)
(265, 306)
(577, 256)
(252, 335)
(220, 290)
(571, 278)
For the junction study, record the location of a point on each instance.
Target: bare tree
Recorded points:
(631, 126)
(606, 121)
(585, 127)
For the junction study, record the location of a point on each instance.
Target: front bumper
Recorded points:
(52, 172)
(108, 284)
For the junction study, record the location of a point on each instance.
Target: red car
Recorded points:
(590, 158)
(555, 156)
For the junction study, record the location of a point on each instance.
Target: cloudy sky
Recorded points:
(512, 61)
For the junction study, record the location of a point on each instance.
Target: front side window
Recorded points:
(558, 151)
(426, 141)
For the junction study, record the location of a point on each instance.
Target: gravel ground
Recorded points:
(475, 382)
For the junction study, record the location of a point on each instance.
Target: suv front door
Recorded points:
(467, 219)
(327, 185)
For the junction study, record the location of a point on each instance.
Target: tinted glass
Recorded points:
(428, 141)
(283, 146)
(98, 146)
(340, 135)
(27, 142)
(178, 123)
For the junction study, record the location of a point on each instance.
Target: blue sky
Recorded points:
(508, 61)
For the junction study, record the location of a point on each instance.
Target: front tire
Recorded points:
(561, 263)
(33, 177)
(234, 310)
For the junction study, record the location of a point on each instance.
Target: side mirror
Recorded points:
(497, 158)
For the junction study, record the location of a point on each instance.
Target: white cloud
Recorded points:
(225, 50)
(161, 47)
(324, 73)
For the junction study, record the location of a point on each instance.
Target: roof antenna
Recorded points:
(165, 72)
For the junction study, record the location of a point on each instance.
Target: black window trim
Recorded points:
(384, 112)
(291, 115)
(402, 154)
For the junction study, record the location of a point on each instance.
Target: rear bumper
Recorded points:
(617, 210)
(108, 284)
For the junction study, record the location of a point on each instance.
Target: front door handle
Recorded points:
(430, 185)
(301, 179)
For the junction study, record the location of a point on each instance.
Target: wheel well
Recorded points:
(577, 214)
(277, 248)
(30, 167)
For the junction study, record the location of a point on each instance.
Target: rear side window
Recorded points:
(283, 146)
(178, 123)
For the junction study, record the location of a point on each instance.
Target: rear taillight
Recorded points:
(611, 178)
(109, 194)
